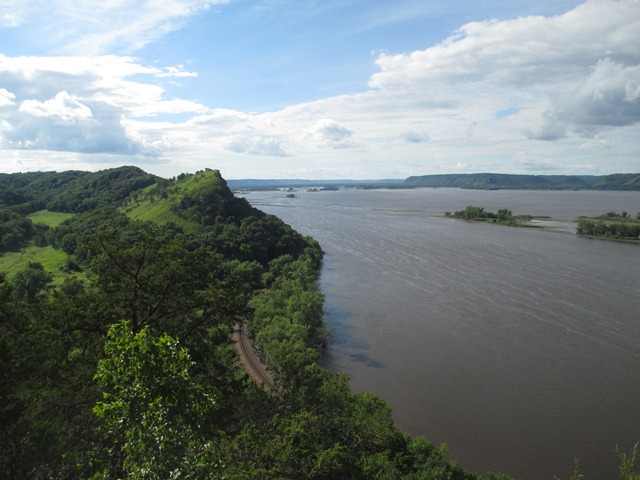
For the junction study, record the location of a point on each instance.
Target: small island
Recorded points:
(502, 216)
(610, 226)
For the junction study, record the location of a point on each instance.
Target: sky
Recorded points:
(327, 89)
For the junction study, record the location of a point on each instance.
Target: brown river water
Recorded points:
(518, 348)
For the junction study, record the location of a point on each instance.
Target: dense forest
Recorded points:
(119, 292)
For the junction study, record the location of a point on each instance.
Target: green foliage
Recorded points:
(610, 225)
(503, 216)
(15, 230)
(189, 201)
(152, 409)
(31, 284)
(619, 181)
(627, 464)
(71, 191)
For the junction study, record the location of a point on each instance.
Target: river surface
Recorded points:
(518, 348)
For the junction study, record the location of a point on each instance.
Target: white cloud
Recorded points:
(50, 126)
(530, 163)
(551, 129)
(415, 137)
(80, 104)
(176, 71)
(12, 13)
(6, 98)
(94, 27)
(257, 145)
(330, 132)
(595, 144)
(63, 106)
(525, 52)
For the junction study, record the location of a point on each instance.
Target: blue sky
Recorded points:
(321, 89)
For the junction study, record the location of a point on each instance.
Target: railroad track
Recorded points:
(251, 363)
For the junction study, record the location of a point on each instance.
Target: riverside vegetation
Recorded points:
(118, 295)
(611, 225)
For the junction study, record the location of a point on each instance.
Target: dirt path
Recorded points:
(250, 361)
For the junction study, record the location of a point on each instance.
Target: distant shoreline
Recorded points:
(473, 181)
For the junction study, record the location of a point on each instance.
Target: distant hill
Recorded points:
(500, 181)
(269, 184)
(618, 181)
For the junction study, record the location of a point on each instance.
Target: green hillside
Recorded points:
(70, 191)
(495, 181)
(619, 181)
(189, 201)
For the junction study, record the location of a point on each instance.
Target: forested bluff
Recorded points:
(119, 291)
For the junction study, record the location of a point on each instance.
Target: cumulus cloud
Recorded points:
(608, 97)
(63, 106)
(330, 132)
(550, 129)
(584, 64)
(523, 52)
(64, 124)
(257, 145)
(6, 98)
(79, 104)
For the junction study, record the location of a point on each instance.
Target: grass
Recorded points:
(50, 219)
(154, 204)
(51, 259)
(158, 211)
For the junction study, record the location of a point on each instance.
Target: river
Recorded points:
(518, 348)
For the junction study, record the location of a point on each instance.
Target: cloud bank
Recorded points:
(532, 94)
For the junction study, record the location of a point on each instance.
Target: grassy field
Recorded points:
(50, 219)
(51, 259)
(158, 211)
(155, 207)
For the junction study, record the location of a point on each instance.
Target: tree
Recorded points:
(152, 409)
(31, 284)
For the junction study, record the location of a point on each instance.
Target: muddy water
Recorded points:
(518, 348)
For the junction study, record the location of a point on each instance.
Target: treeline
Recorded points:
(472, 212)
(22, 194)
(121, 365)
(71, 191)
(611, 225)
